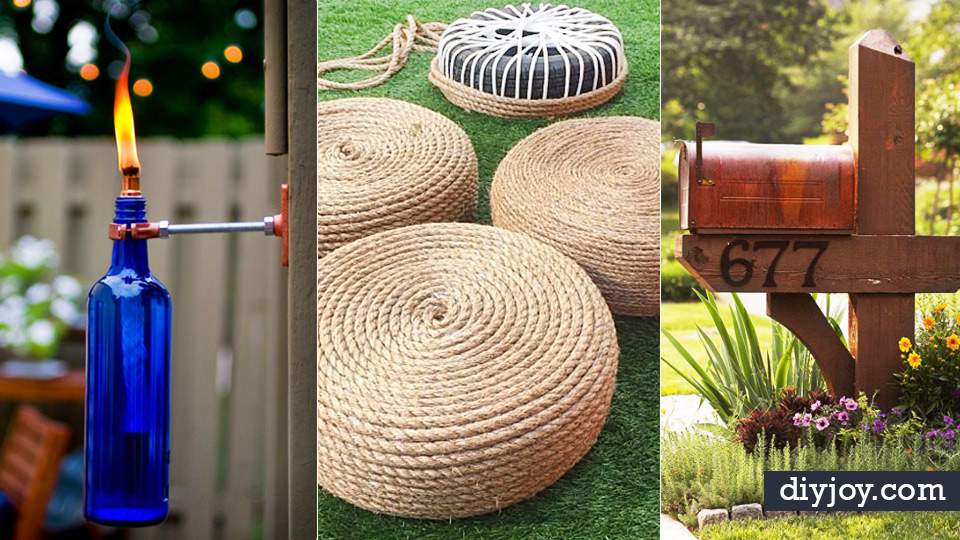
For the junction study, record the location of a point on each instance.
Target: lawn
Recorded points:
(868, 526)
(681, 320)
(613, 492)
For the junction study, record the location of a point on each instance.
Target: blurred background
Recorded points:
(776, 72)
(198, 95)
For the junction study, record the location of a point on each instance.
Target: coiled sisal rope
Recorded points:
(591, 188)
(384, 163)
(461, 368)
(415, 36)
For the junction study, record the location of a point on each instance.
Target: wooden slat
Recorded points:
(257, 256)
(882, 136)
(198, 330)
(7, 200)
(852, 264)
(51, 175)
(302, 285)
(275, 436)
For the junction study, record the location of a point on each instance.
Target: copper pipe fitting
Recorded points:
(131, 183)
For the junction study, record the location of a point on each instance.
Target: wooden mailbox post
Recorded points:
(776, 219)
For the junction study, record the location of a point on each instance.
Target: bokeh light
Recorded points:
(89, 72)
(210, 70)
(233, 54)
(142, 87)
(21, 3)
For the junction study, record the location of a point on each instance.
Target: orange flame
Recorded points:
(123, 124)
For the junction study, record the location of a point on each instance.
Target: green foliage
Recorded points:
(866, 526)
(701, 470)
(739, 376)
(728, 63)
(929, 382)
(676, 284)
(169, 41)
(37, 307)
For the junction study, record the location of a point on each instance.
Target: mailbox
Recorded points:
(765, 188)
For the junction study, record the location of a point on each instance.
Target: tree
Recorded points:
(936, 52)
(169, 42)
(726, 61)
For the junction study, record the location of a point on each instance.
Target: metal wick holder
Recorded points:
(275, 225)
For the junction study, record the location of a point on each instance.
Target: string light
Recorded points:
(210, 70)
(233, 54)
(89, 72)
(143, 87)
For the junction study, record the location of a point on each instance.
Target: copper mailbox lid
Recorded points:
(771, 188)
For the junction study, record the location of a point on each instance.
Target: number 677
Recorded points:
(726, 263)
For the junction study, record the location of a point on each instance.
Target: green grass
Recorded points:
(868, 526)
(612, 493)
(681, 320)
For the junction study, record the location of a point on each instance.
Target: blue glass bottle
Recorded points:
(127, 434)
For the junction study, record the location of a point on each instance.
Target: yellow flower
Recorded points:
(940, 308)
(953, 342)
(905, 344)
(958, 318)
(914, 360)
(929, 322)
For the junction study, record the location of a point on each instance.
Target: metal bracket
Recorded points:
(275, 225)
(703, 130)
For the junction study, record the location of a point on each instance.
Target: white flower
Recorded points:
(34, 254)
(16, 304)
(42, 333)
(67, 287)
(16, 337)
(39, 292)
(65, 311)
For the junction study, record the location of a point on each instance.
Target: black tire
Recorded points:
(556, 70)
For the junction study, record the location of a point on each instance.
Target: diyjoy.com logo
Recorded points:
(831, 491)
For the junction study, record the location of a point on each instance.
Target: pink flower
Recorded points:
(822, 423)
(815, 406)
(805, 421)
(843, 416)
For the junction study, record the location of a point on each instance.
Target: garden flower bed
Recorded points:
(807, 429)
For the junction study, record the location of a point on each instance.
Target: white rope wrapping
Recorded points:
(497, 38)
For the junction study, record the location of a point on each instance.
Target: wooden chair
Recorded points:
(29, 465)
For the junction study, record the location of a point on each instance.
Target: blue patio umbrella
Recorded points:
(25, 100)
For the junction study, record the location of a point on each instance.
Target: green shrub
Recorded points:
(676, 284)
(738, 377)
(702, 470)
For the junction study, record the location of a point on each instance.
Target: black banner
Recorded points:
(833, 491)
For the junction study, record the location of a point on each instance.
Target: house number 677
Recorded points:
(726, 263)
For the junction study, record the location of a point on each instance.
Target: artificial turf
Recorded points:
(613, 492)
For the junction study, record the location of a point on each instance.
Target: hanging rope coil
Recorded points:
(414, 36)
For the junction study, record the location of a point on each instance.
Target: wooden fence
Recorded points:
(228, 373)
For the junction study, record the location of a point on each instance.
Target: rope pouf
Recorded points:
(530, 61)
(384, 163)
(591, 188)
(461, 368)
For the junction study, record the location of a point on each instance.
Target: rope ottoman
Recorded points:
(384, 163)
(461, 368)
(591, 188)
(530, 61)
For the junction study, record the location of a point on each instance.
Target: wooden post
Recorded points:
(882, 136)
(302, 284)
(275, 76)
